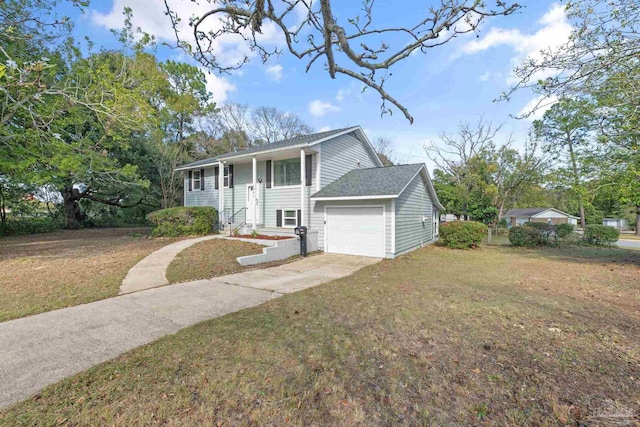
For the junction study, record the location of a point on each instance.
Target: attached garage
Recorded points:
(355, 230)
(377, 212)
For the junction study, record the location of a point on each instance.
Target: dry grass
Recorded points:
(495, 336)
(45, 272)
(215, 257)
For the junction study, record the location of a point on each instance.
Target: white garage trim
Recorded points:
(384, 223)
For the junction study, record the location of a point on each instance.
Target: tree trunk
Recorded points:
(576, 177)
(3, 210)
(72, 214)
(638, 220)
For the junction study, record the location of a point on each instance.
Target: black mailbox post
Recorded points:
(302, 232)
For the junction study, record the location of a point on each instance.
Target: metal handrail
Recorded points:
(231, 219)
(222, 219)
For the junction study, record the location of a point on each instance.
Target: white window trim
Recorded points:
(273, 175)
(225, 168)
(295, 217)
(193, 180)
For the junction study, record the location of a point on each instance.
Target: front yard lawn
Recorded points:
(215, 257)
(45, 272)
(495, 336)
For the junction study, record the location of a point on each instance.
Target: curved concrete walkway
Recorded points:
(151, 271)
(39, 350)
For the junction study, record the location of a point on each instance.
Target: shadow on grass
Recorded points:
(581, 254)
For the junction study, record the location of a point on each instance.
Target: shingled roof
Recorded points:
(301, 140)
(199, 163)
(529, 212)
(291, 142)
(381, 181)
(525, 212)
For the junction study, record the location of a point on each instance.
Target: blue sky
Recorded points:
(449, 84)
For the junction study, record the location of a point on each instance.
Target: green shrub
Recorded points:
(524, 236)
(564, 230)
(546, 232)
(184, 221)
(34, 225)
(600, 235)
(462, 234)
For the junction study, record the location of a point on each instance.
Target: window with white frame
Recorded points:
(286, 172)
(289, 218)
(225, 177)
(196, 180)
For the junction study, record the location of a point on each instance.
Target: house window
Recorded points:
(225, 177)
(286, 172)
(289, 218)
(196, 180)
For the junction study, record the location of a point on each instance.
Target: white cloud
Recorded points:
(274, 72)
(484, 77)
(325, 128)
(218, 86)
(555, 31)
(342, 93)
(540, 104)
(320, 108)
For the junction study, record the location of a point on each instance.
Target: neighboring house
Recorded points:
(331, 182)
(619, 223)
(549, 215)
(448, 218)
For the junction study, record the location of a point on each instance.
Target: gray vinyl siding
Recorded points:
(270, 199)
(318, 220)
(411, 206)
(340, 155)
(206, 197)
(236, 198)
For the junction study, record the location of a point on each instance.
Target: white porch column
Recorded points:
(303, 184)
(221, 189)
(255, 193)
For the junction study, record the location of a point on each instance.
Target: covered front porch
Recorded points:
(266, 190)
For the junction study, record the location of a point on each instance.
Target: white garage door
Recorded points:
(355, 230)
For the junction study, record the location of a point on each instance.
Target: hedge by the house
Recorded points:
(600, 235)
(524, 236)
(564, 230)
(546, 232)
(541, 234)
(184, 221)
(462, 234)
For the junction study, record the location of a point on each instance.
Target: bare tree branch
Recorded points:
(350, 46)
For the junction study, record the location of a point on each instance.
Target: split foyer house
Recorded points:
(331, 182)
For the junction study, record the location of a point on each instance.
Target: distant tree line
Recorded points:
(583, 155)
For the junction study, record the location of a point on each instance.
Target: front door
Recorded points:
(253, 208)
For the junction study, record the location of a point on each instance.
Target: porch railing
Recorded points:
(222, 217)
(239, 216)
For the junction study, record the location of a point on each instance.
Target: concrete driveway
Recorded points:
(628, 243)
(40, 350)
